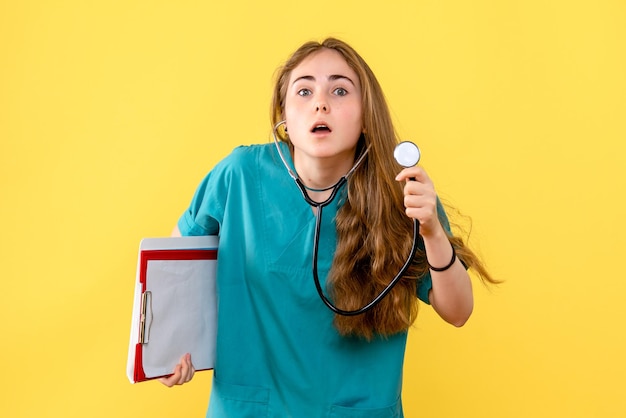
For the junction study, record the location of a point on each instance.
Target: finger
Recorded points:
(421, 199)
(184, 367)
(421, 206)
(187, 369)
(192, 369)
(415, 188)
(413, 173)
(172, 379)
(405, 174)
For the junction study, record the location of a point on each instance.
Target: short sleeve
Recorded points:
(423, 287)
(206, 211)
(196, 220)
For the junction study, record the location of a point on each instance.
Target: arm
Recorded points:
(451, 294)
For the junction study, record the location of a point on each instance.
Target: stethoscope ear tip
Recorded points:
(407, 154)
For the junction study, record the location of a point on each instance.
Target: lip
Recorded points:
(318, 123)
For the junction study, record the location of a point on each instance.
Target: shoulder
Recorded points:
(244, 159)
(253, 151)
(240, 171)
(250, 155)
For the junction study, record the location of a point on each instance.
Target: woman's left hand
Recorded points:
(183, 372)
(420, 199)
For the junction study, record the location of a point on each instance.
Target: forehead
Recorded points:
(323, 64)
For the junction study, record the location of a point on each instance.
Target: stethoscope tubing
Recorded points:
(318, 223)
(382, 294)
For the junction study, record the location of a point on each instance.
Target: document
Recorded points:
(174, 306)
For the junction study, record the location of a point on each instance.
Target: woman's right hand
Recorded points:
(183, 372)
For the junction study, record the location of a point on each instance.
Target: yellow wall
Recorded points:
(112, 111)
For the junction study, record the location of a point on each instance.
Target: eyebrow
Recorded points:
(331, 77)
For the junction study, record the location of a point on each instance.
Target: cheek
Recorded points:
(356, 117)
(293, 116)
(294, 123)
(353, 112)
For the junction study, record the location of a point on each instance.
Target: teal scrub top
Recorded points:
(278, 353)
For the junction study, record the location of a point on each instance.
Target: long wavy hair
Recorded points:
(374, 235)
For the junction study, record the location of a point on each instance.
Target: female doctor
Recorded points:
(280, 351)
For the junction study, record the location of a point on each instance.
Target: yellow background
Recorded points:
(112, 111)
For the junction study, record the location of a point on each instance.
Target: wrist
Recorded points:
(433, 234)
(447, 266)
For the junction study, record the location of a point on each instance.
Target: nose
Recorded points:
(322, 106)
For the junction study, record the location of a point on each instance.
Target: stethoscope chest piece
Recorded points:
(407, 154)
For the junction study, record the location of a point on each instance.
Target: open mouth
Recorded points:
(320, 128)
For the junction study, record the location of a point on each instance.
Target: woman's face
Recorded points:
(323, 107)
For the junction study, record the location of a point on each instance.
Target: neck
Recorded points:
(319, 175)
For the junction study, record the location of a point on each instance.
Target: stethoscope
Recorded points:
(407, 154)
